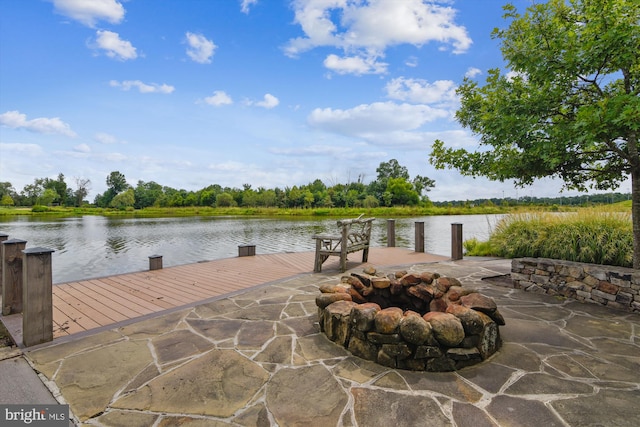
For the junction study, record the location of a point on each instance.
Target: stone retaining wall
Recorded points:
(615, 287)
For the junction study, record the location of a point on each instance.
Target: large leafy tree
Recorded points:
(390, 170)
(60, 187)
(569, 106)
(116, 183)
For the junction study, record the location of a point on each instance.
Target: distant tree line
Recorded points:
(582, 200)
(392, 187)
(46, 192)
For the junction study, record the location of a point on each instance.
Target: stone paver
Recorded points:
(259, 359)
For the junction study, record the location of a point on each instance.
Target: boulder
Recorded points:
(410, 279)
(387, 321)
(471, 320)
(336, 321)
(323, 300)
(428, 277)
(446, 327)
(415, 329)
(363, 315)
(380, 282)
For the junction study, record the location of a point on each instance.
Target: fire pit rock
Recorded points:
(414, 321)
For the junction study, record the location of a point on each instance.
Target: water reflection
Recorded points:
(93, 246)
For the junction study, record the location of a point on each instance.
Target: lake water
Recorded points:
(95, 246)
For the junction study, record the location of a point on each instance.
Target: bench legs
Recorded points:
(319, 259)
(365, 254)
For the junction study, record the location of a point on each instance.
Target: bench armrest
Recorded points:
(326, 237)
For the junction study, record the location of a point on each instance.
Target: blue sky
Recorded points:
(272, 93)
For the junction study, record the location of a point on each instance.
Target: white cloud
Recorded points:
(17, 120)
(411, 61)
(200, 49)
(421, 141)
(245, 5)
(379, 117)
(269, 101)
(313, 150)
(105, 138)
(367, 29)
(228, 167)
(30, 150)
(218, 98)
(112, 157)
(143, 87)
(114, 46)
(421, 91)
(472, 72)
(355, 65)
(88, 12)
(82, 148)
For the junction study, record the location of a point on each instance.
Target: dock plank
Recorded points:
(89, 304)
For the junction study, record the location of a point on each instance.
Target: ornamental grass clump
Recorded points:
(590, 236)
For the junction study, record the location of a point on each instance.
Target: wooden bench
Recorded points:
(354, 236)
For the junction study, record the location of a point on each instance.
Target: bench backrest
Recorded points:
(356, 231)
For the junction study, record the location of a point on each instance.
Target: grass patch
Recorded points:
(594, 236)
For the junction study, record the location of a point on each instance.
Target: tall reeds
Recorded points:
(589, 235)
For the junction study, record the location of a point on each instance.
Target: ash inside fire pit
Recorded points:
(421, 322)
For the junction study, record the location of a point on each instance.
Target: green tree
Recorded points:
(117, 182)
(31, 192)
(392, 169)
(386, 171)
(568, 108)
(423, 184)
(6, 200)
(402, 192)
(6, 189)
(147, 194)
(224, 200)
(123, 200)
(47, 197)
(370, 202)
(60, 187)
(267, 198)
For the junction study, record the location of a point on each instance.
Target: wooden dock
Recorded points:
(95, 303)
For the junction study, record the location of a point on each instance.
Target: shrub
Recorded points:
(39, 208)
(591, 236)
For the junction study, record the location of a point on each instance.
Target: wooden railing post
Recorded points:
(456, 241)
(37, 314)
(3, 237)
(391, 233)
(12, 276)
(419, 240)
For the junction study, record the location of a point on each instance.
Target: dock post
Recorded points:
(12, 276)
(391, 233)
(155, 262)
(3, 237)
(246, 250)
(37, 315)
(456, 241)
(419, 240)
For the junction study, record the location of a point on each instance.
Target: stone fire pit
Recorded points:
(420, 322)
